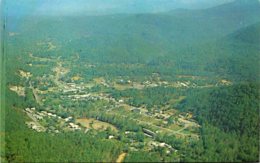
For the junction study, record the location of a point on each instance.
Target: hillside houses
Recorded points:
(37, 117)
(74, 126)
(35, 126)
(68, 119)
(156, 144)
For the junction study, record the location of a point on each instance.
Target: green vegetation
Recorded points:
(174, 86)
(142, 157)
(230, 122)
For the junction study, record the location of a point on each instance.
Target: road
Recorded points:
(35, 94)
(121, 158)
(178, 132)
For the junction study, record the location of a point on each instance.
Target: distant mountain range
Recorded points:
(102, 7)
(175, 26)
(183, 36)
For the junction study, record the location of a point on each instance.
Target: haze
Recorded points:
(102, 7)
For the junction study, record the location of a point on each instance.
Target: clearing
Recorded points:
(95, 124)
(18, 89)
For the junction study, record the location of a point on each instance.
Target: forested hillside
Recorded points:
(237, 54)
(230, 121)
(182, 39)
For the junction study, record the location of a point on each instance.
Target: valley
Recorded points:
(176, 86)
(60, 104)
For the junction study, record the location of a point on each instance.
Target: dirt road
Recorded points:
(35, 94)
(121, 158)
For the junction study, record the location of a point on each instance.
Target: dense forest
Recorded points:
(177, 86)
(230, 121)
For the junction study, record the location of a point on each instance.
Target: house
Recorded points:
(44, 112)
(154, 144)
(49, 114)
(162, 144)
(68, 119)
(38, 117)
(148, 135)
(111, 137)
(149, 132)
(28, 110)
(74, 126)
(136, 110)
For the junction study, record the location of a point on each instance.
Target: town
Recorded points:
(71, 92)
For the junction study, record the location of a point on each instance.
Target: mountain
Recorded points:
(227, 17)
(178, 28)
(242, 6)
(237, 54)
(184, 37)
(249, 35)
(101, 7)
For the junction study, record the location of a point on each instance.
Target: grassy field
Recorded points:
(95, 124)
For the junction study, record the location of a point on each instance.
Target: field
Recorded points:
(95, 124)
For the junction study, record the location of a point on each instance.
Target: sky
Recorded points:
(101, 7)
